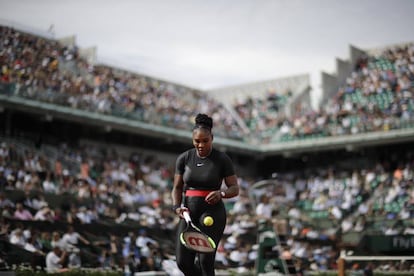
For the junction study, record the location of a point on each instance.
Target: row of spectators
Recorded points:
(377, 95)
(120, 190)
(66, 249)
(45, 70)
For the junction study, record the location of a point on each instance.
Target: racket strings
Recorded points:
(197, 241)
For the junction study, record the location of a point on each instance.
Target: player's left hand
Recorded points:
(213, 197)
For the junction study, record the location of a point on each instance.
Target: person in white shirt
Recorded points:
(48, 185)
(264, 208)
(44, 214)
(55, 260)
(71, 238)
(17, 238)
(142, 240)
(31, 246)
(70, 242)
(56, 240)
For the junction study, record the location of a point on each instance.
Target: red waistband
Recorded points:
(202, 193)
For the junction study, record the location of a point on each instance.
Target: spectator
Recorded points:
(55, 260)
(48, 185)
(38, 257)
(85, 215)
(45, 214)
(264, 209)
(69, 244)
(71, 239)
(142, 239)
(115, 249)
(17, 237)
(22, 213)
(57, 240)
(5, 202)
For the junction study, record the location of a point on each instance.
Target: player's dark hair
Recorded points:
(203, 121)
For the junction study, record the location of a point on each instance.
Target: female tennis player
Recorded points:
(199, 175)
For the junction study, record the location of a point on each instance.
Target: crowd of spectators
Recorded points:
(110, 188)
(43, 69)
(105, 188)
(261, 114)
(377, 96)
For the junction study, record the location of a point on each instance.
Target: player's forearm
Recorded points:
(177, 194)
(231, 191)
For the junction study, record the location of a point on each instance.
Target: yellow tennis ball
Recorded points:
(208, 221)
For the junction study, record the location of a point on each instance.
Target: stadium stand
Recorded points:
(305, 206)
(260, 105)
(110, 196)
(375, 96)
(37, 68)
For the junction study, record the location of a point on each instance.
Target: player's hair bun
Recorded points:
(203, 120)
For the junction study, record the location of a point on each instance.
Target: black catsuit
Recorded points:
(202, 174)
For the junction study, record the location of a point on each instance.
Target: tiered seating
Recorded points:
(67, 202)
(261, 113)
(317, 222)
(376, 97)
(36, 70)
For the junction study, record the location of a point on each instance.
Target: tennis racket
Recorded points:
(193, 238)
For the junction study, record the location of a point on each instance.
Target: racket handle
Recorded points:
(186, 216)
